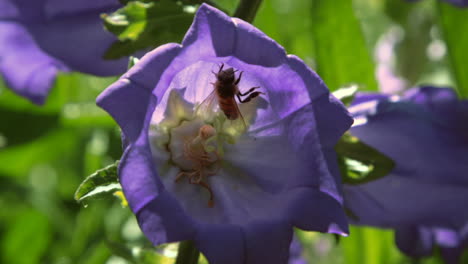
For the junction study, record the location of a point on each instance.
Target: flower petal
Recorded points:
(138, 176)
(414, 241)
(128, 104)
(254, 47)
(129, 99)
(419, 138)
(210, 26)
(163, 220)
(330, 130)
(221, 243)
(443, 104)
(30, 73)
(376, 204)
(315, 211)
(63, 39)
(267, 242)
(60, 8)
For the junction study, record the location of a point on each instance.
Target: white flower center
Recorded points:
(185, 139)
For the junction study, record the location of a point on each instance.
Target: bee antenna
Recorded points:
(221, 67)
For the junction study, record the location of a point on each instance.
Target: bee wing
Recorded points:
(208, 107)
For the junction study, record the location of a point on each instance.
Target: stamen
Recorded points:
(205, 163)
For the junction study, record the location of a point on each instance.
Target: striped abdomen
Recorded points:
(229, 106)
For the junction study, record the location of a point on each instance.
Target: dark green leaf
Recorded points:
(146, 24)
(188, 253)
(102, 182)
(453, 23)
(341, 53)
(21, 127)
(360, 163)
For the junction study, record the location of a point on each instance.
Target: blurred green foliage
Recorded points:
(144, 24)
(341, 51)
(453, 22)
(45, 152)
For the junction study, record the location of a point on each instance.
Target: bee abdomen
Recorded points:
(229, 108)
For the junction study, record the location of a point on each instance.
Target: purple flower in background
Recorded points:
(39, 38)
(426, 133)
(189, 173)
(420, 241)
(460, 3)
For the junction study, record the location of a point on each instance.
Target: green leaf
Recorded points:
(30, 233)
(360, 163)
(132, 61)
(368, 245)
(290, 35)
(342, 55)
(102, 182)
(145, 24)
(346, 94)
(453, 23)
(188, 253)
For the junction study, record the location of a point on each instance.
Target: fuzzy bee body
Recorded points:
(229, 107)
(224, 92)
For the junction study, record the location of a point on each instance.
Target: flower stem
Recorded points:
(188, 253)
(247, 9)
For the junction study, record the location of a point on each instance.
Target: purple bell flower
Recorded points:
(425, 133)
(235, 188)
(39, 38)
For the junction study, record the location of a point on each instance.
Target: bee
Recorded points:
(224, 93)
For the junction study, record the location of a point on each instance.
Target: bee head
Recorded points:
(226, 76)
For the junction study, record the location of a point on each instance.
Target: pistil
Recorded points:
(204, 158)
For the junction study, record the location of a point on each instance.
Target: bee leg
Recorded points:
(238, 78)
(250, 97)
(249, 91)
(219, 71)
